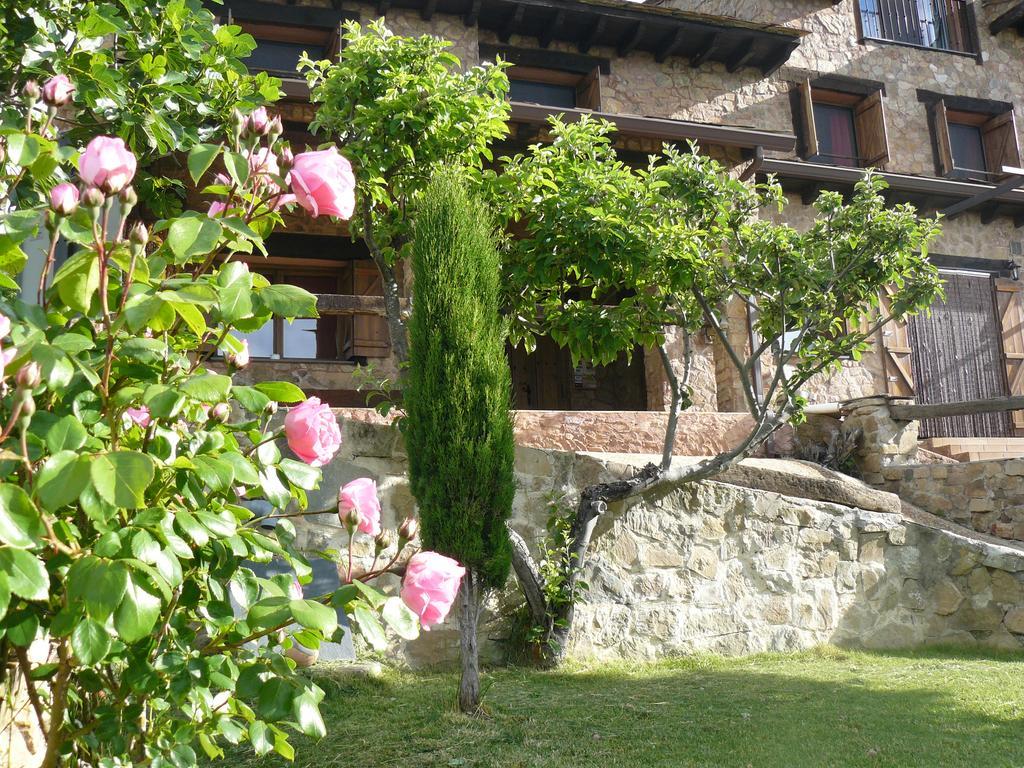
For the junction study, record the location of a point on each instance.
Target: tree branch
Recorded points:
(528, 575)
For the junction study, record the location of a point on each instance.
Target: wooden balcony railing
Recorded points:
(946, 25)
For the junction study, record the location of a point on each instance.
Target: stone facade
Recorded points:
(767, 560)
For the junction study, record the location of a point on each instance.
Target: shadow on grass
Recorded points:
(824, 708)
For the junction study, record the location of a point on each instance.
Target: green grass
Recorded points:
(819, 708)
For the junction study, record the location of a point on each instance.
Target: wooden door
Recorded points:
(897, 364)
(1010, 311)
(958, 355)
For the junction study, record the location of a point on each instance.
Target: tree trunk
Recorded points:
(469, 615)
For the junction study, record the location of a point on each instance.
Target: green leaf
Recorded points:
(97, 583)
(90, 641)
(21, 626)
(191, 236)
(237, 166)
(245, 473)
(208, 387)
(20, 524)
(288, 301)
(259, 737)
(26, 574)
(137, 613)
(67, 434)
(251, 399)
(274, 489)
(401, 618)
(56, 366)
(163, 402)
(215, 473)
(269, 612)
(200, 158)
(5, 595)
(300, 474)
(121, 477)
(314, 615)
(369, 627)
(62, 479)
(307, 715)
(281, 391)
(78, 279)
(373, 596)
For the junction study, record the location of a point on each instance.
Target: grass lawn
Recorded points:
(819, 708)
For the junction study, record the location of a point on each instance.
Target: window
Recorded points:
(843, 127)
(554, 88)
(974, 143)
(947, 25)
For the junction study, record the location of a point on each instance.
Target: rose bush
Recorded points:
(128, 456)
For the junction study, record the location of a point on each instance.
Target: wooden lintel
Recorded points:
(595, 32)
(670, 45)
(552, 29)
(629, 41)
(960, 408)
(701, 54)
(741, 57)
(427, 12)
(512, 24)
(473, 13)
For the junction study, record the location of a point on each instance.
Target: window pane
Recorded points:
(968, 150)
(314, 339)
(261, 342)
(276, 56)
(837, 142)
(549, 94)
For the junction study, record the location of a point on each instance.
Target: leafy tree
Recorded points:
(156, 73)
(458, 428)
(402, 110)
(610, 256)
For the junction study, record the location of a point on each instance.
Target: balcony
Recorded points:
(943, 25)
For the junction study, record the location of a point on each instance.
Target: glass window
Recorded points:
(261, 342)
(837, 141)
(967, 146)
(278, 56)
(548, 94)
(313, 338)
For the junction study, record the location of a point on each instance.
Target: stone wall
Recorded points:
(726, 566)
(987, 496)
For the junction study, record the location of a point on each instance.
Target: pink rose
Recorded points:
(262, 162)
(139, 416)
(323, 183)
(360, 498)
(216, 209)
(430, 586)
(57, 91)
(6, 355)
(295, 589)
(259, 121)
(64, 199)
(107, 164)
(5, 325)
(239, 359)
(312, 432)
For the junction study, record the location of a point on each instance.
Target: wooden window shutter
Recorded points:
(999, 136)
(588, 90)
(872, 137)
(940, 127)
(894, 339)
(1010, 308)
(809, 134)
(369, 334)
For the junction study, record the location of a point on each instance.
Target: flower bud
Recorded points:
(57, 91)
(92, 198)
(28, 404)
(237, 122)
(139, 235)
(408, 530)
(31, 92)
(272, 407)
(64, 199)
(29, 376)
(349, 518)
(258, 122)
(383, 540)
(285, 160)
(220, 413)
(275, 128)
(128, 197)
(239, 359)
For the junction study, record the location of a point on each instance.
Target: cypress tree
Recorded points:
(458, 430)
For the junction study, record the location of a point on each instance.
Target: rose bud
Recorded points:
(220, 413)
(139, 235)
(239, 359)
(31, 91)
(285, 160)
(29, 376)
(383, 540)
(360, 497)
(57, 91)
(28, 403)
(408, 530)
(276, 127)
(108, 164)
(128, 197)
(64, 199)
(349, 518)
(258, 122)
(272, 407)
(92, 198)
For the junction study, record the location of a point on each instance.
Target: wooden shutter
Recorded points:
(809, 133)
(1010, 309)
(895, 347)
(588, 90)
(999, 135)
(369, 334)
(872, 138)
(940, 127)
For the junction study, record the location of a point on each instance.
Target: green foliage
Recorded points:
(158, 74)
(559, 590)
(403, 110)
(458, 427)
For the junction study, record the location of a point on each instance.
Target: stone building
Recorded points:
(811, 91)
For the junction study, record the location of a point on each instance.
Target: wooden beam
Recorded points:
(1018, 220)
(743, 54)
(472, 14)
(699, 56)
(340, 304)
(671, 44)
(960, 408)
(552, 29)
(1012, 183)
(595, 32)
(513, 22)
(810, 194)
(989, 212)
(427, 11)
(629, 41)
(382, 7)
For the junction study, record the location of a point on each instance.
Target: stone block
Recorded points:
(872, 547)
(1014, 620)
(912, 596)
(946, 598)
(985, 618)
(659, 557)
(704, 562)
(625, 549)
(964, 562)
(979, 581)
(1014, 467)
(1006, 588)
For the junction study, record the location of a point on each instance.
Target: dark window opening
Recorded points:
(555, 88)
(841, 127)
(837, 138)
(945, 25)
(549, 94)
(967, 146)
(281, 57)
(974, 140)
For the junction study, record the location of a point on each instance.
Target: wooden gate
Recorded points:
(957, 355)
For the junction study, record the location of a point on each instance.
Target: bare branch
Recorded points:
(528, 575)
